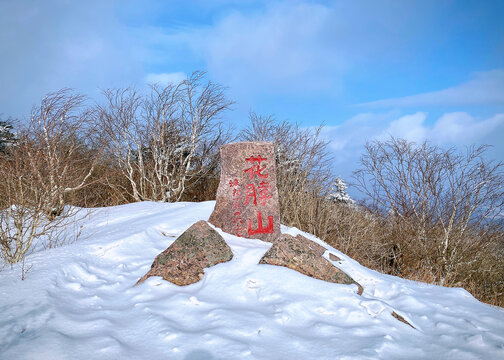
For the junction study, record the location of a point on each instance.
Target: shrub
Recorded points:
(443, 210)
(24, 203)
(50, 160)
(58, 147)
(165, 142)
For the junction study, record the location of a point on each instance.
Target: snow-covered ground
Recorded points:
(79, 302)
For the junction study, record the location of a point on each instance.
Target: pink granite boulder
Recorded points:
(184, 261)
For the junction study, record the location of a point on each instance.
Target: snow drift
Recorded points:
(79, 302)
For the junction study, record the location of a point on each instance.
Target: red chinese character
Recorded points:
(260, 229)
(236, 192)
(264, 192)
(251, 193)
(256, 169)
(233, 182)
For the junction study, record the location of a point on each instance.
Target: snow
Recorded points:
(79, 302)
(339, 194)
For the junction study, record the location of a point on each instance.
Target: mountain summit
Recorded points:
(79, 302)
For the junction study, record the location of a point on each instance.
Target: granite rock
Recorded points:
(247, 197)
(184, 261)
(304, 256)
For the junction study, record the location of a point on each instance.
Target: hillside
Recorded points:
(79, 302)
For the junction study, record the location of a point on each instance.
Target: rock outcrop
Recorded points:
(316, 248)
(184, 261)
(247, 198)
(305, 256)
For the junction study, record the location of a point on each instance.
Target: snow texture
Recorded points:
(79, 302)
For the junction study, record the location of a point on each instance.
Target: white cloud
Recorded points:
(460, 127)
(283, 47)
(452, 129)
(49, 45)
(409, 127)
(301, 48)
(456, 128)
(298, 47)
(484, 88)
(354, 132)
(165, 78)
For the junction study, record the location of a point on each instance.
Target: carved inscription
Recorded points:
(247, 206)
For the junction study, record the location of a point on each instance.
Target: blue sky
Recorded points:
(424, 70)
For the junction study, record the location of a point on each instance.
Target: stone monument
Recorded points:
(247, 198)
(247, 206)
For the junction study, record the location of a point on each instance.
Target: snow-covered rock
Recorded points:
(80, 302)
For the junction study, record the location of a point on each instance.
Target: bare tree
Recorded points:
(16, 237)
(24, 203)
(60, 154)
(166, 141)
(122, 135)
(51, 159)
(451, 202)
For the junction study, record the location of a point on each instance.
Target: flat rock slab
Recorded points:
(317, 249)
(184, 261)
(305, 256)
(247, 198)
